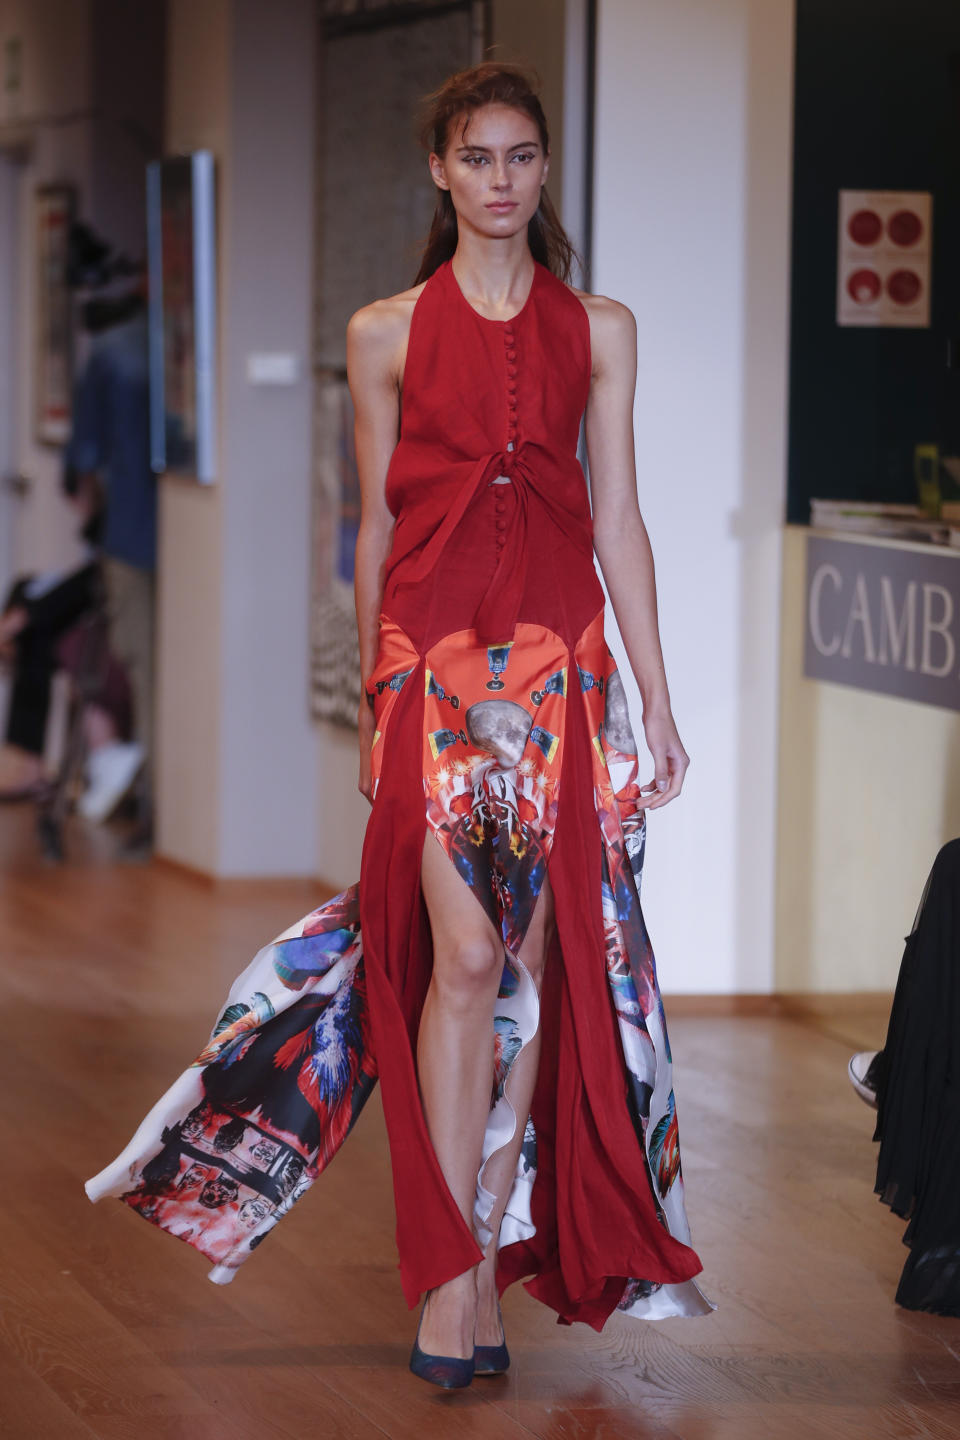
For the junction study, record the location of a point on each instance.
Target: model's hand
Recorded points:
(669, 758)
(366, 729)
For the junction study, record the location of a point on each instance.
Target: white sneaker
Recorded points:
(858, 1071)
(111, 770)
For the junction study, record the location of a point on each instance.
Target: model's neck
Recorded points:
(495, 272)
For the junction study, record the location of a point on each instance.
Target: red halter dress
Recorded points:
(502, 729)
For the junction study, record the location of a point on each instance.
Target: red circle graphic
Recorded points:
(863, 286)
(905, 227)
(865, 227)
(904, 287)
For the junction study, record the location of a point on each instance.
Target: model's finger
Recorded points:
(673, 790)
(654, 795)
(662, 776)
(665, 798)
(650, 795)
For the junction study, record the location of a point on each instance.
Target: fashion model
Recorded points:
(492, 967)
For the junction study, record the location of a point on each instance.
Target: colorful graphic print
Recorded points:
(493, 787)
(283, 1078)
(244, 1133)
(631, 969)
(493, 728)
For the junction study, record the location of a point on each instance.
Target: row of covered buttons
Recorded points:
(510, 345)
(511, 353)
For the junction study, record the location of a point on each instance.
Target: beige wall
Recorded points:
(869, 789)
(237, 751)
(341, 809)
(534, 34)
(56, 57)
(47, 123)
(189, 569)
(85, 112)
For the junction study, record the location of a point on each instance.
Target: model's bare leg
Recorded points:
(455, 1065)
(501, 1167)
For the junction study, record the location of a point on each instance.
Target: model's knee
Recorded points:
(467, 966)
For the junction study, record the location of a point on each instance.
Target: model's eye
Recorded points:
(475, 159)
(525, 156)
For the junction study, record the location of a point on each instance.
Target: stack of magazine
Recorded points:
(901, 522)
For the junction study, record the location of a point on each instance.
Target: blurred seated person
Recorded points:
(914, 1083)
(109, 450)
(51, 622)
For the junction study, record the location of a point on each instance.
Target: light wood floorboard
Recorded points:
(111, 976)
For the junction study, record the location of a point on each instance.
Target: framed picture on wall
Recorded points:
(55, 209)
(182, 265)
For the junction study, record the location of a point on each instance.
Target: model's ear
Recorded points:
(438, 171)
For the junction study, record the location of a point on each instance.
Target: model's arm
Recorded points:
(620, 536)
(375, 344)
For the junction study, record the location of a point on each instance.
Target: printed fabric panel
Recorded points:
(243, 1133)
(631, 967)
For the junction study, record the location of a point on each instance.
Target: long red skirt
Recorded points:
(520, 759)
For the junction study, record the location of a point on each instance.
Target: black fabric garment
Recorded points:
(918, 1095)
(50, 615)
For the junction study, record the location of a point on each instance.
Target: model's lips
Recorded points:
(502, 205)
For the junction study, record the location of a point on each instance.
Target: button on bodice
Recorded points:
(503, 482)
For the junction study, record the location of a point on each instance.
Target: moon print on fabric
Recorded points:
(616, 717)
(501, 727)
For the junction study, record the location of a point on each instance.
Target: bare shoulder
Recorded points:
(607, 315)
(613, 330)
(384, 323)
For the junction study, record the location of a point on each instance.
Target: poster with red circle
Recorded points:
(884, 258)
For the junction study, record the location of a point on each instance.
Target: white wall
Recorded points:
(692, 176)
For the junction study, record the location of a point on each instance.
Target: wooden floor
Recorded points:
(111, 976)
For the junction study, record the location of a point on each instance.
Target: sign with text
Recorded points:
(884, 619)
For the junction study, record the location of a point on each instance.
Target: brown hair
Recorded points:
(489, 84)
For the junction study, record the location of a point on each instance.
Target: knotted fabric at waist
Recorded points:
(538, 480)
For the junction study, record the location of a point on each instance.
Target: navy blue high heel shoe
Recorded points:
(492, 1359)
(450, 1372)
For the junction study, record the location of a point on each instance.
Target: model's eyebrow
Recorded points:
(485, 149)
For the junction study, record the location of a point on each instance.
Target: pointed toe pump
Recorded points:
(492, 1359)
(450, 1372)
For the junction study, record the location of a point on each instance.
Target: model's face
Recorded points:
(494, 168)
